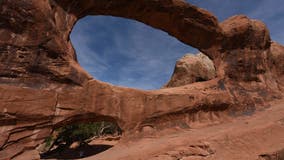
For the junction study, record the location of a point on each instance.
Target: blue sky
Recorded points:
(129, 53)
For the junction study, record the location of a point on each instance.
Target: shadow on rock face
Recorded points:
(279, 155)
(80, 152)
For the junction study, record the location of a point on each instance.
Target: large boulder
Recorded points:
(192, 68)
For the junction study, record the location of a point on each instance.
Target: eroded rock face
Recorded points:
(192, 68)
(43, 87)
(275, 60)
(279, 155)
(242, 32)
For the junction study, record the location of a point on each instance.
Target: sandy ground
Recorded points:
(245, 138)
(86, 150)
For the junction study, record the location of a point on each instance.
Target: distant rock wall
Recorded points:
(192, 68)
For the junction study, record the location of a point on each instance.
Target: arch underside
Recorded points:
(189, 24)
(42, 85)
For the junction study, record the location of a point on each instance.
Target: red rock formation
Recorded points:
(43, 86)
(192, 68)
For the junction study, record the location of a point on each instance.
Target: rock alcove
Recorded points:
(42, 85)
(80, 139)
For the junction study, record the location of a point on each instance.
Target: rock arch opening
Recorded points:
(80, 139)
(126, 52)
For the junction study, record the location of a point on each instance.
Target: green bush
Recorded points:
(80, 133)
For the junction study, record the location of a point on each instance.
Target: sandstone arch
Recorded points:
(189, 24)
(42, 85)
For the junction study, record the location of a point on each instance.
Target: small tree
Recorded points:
(80, 133)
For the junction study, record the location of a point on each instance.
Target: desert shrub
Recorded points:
(80, 133)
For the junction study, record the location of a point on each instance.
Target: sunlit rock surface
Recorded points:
(192, 68)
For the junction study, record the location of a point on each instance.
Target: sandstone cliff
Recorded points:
(43, 87)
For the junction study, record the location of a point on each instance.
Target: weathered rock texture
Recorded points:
(192, 68)
(43, 86)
